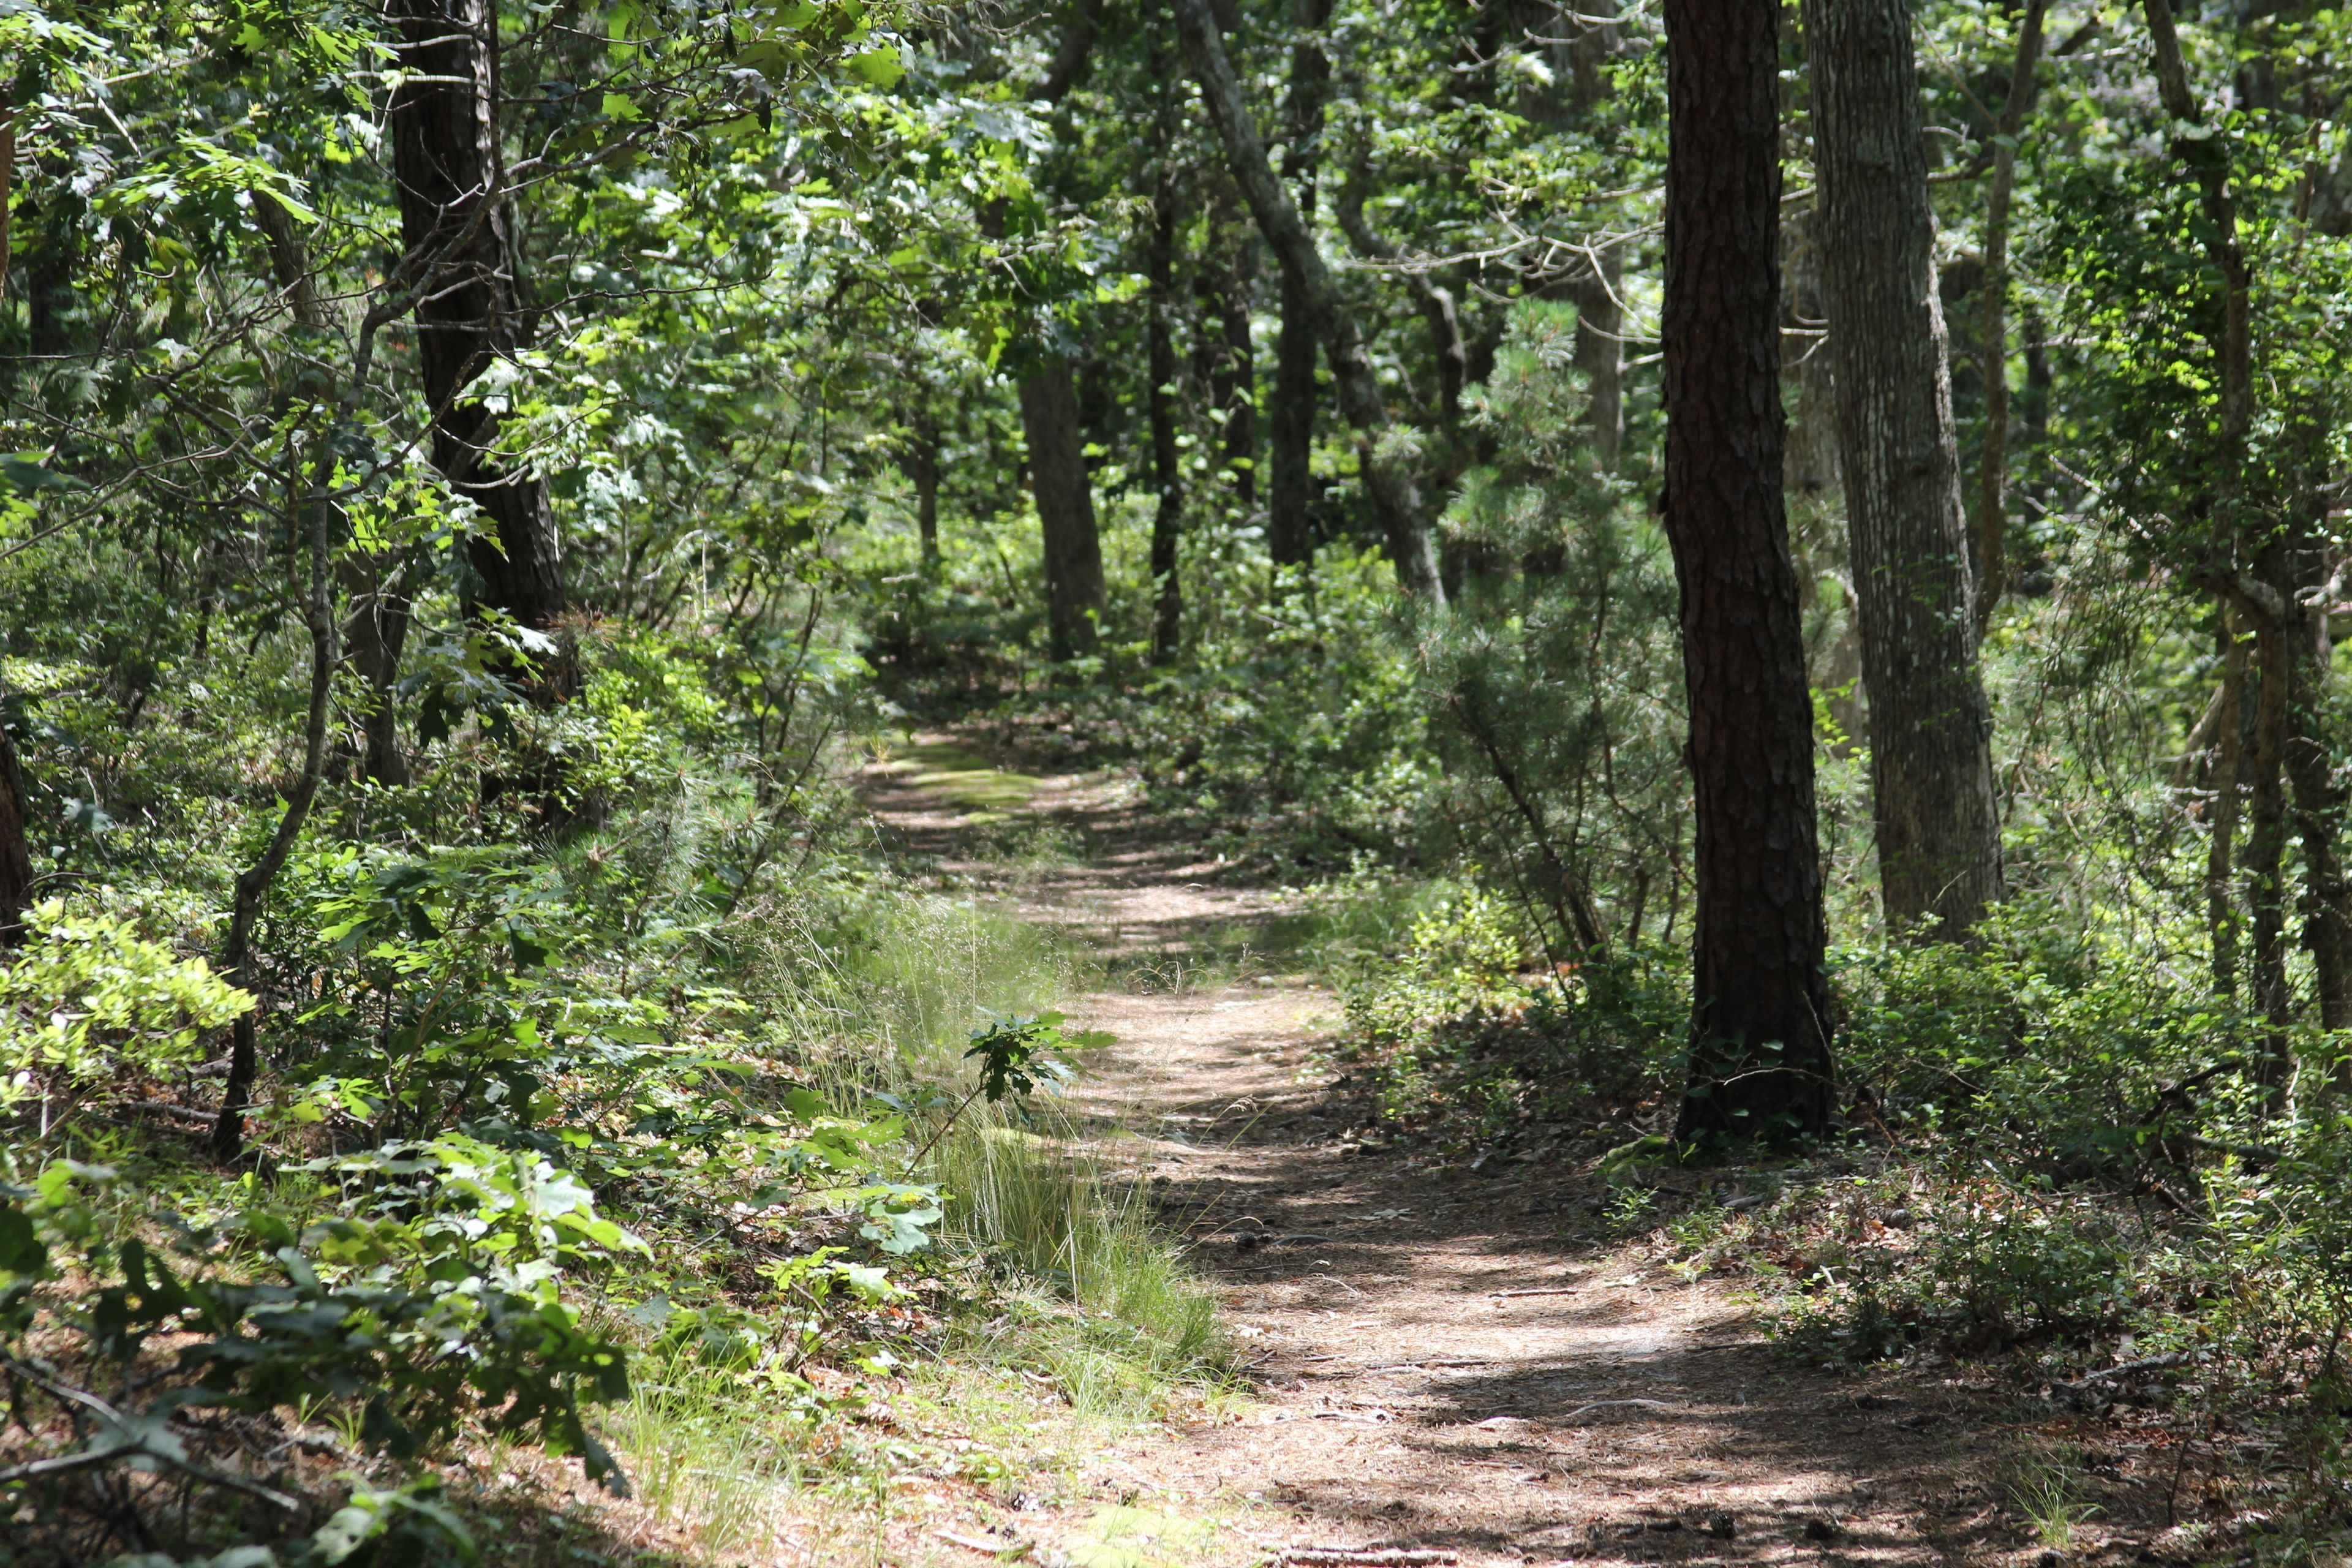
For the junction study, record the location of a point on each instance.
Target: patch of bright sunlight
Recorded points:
(1121, 1536)
(964, 777)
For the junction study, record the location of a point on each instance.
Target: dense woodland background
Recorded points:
(481, 476)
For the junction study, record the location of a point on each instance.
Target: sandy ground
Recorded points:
(1438, 1364)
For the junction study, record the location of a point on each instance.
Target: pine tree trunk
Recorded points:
(1759, 1062)
(1066, 506)
(1930, 727)
(455, 223)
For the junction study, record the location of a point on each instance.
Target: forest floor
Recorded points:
(1436, 1359)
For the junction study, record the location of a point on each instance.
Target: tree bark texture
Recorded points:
(455, 221)
(1760, 1051)
(1992, 470)
(1066, 506)
(1167, 476)
(1938, 831)
(1388, 481)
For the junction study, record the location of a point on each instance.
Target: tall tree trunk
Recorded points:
(1066, 506)
(1168, 518)
(453, 218)
(1992, 470)
(2266, 856)
(2224, 780)
(925, 459)
(1759, 1052)
(1930, 727)
(1601, 353)
(1387, 482)
(2289, 575)
(2309, 762)
(1290, 433)
(15, 846)
(374, 634)
(1224, 361)
(1290, 443)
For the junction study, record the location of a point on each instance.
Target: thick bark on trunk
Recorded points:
(454, 215)
(1168, 518)
(1065, 507)
(1760, 1060)
(1290, 433)
(1992, 471)
(1930, 727)
(1388, 483)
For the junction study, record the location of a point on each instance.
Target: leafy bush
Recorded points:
(92, 1006)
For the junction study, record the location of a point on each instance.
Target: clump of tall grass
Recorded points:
(1042, 1203)
(883, 992)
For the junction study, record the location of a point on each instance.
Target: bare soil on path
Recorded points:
(1440, 1360)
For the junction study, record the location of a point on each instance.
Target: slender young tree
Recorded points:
(2279, 584)
(15, 846)
(1930, 727)
(1992, 331)
(1759, 1052)
(1290, 417)
(1167, 471)
(1389, 482)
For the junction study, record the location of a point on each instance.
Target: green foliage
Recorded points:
(1451, 1023)
(95, 1005)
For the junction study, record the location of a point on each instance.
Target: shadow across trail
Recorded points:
(1445, 1359)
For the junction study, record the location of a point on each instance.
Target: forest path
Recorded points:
(1440, 1359)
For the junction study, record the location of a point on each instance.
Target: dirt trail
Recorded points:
(1440, 1364)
